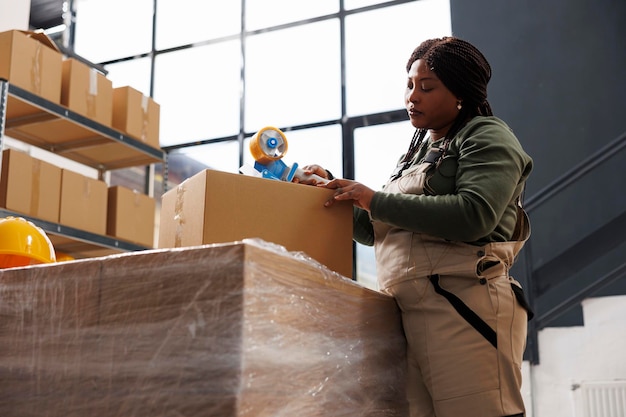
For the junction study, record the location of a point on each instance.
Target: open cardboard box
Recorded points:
(32, 61)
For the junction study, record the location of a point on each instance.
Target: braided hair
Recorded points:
(463, 69)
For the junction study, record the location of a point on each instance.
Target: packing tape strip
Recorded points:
(93, 82)
(35, 70)
(145, 120)
(35, 187)
(86, 187)
(178, 215)
(92, 93)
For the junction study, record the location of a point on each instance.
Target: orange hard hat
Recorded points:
(22, 243)
(63, 257)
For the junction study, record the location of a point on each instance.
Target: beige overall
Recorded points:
(456, 368)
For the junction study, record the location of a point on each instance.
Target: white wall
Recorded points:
(573, 356)
(15, 14)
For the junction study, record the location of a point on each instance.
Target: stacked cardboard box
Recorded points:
(89, 204)
(30, 186)
(131, 216)
(31, 60)
(87, 91)
(239, 329)
(136, 115)
(83, 202)
(44, 191)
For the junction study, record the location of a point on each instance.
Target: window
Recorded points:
(134, 73)
(198, 90)
(376, 152)
(321, 145)
(111, 29)
(292, 76)
(293, 65)
(267, 13)
(182, 22)
(376, 58)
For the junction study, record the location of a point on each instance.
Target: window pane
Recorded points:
(321, 145)
(355, 4)
(292, 76)
(198, 90)
(376, 151)
(111, 29)
(366, 266)
(181, 22)
(266, 13)
(376, 59)
(220, 156)
(135, 73)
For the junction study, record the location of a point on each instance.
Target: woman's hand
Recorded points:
(360, 195)
(309, 175)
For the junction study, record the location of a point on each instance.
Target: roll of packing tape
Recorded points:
(268, 144)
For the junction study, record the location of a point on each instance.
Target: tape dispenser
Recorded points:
(268, 146)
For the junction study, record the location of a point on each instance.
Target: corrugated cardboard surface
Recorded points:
(136, 115)
(131, 215)
(87, 92)
(31, 64)
(83, 202)
(239, 329)
(30, 186)
(46, 191)
(216, 207)
(16, 180)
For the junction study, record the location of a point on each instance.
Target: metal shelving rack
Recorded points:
(36, 121)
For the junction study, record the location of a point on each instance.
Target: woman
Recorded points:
(446, 230)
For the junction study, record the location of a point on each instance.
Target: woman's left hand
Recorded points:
(350, 190)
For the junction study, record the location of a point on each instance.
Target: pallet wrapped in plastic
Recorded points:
(238, 329)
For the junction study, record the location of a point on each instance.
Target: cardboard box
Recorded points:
(30, 186)
(83, 202)
(16, 181)
(46, 191)
(216, 207)
(87, 91)
(131, 216)
(31, 60)
(136, 115)
(220, 330)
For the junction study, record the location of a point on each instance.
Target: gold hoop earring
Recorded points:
(458, 105)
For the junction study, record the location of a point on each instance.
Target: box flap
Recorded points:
(40, 36)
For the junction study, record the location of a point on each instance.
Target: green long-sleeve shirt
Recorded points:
(472, 195)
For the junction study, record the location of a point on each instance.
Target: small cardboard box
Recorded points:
(31, 60)
(46, 191)
(219, 207)
(136, 115)
(15, 183)
(30, 186)
(87, 91)
(130, 216)
(83, 202)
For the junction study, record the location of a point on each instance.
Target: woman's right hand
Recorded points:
(310, 173)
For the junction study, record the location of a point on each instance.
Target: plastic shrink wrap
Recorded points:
(238, 329)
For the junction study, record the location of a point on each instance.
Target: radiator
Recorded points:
(601, 399)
